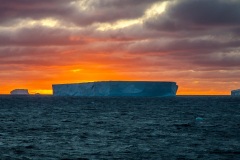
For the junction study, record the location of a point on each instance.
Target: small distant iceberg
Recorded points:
(235, 92)
(19, 92)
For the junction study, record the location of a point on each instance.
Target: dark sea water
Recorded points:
(179, 128)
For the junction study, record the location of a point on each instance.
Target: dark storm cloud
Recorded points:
(215, 61)
(235, 32)
(224, 60)
(202, 33)
(27, 55)
(197, 15)
(18, 9)
(39, 36)
(122, 3)
(70, 11)
(37, 56)
(111, 10)
(16, 52)
(196, 46)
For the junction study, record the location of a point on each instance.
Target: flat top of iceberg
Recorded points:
(119, 82)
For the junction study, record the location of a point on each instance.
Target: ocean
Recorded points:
(74, 128)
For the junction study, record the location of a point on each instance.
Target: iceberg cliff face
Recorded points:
(117, 88)
(235, 92)
(19, 92)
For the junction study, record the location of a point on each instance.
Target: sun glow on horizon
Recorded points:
(41, 91)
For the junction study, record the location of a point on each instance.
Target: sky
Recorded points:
(195, 43)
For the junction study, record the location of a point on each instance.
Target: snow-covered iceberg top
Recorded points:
(117, 89)
(235, 92)
(19, 92)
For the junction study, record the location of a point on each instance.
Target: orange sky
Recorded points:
(51, 42)
(40, 79)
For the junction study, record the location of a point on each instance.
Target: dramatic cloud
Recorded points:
(80, 12)
(193, 42)
(197, 15)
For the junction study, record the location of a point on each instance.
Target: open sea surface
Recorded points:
(74, 128)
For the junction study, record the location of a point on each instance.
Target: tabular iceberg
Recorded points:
(235, 92)
(117, 89)
(19, 92)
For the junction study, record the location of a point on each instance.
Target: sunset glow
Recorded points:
(46, 42)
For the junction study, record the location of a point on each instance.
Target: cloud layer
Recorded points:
(193, 42)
